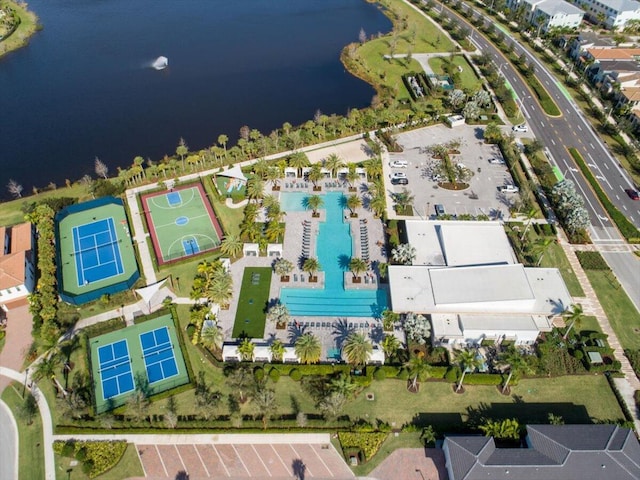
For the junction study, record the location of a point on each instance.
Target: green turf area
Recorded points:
(252, 304)
(468, 79)
(30, 448)
(589, 324)
(181, 222)
(531, 402)
(132, 336)
(129, 466)
(622, 314)
(554, 257)
(75, 216)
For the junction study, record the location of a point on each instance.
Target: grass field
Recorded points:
(129, 466)
(252, 304)
(468, 79)
(31, 450)
(622, 314)
(531, 401)
(554, 257)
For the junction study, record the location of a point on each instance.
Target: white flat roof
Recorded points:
(458, 243)
(484, 289)
(453, 325)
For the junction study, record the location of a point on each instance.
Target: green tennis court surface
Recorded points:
(144, 356)
(181, 222)
(252, 304)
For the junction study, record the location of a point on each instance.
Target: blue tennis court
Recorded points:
(96, 251)
(115, 369)
(159, 358)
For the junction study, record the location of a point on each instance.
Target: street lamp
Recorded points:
(24, 385)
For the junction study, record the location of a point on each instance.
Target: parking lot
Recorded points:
(255, 460)
(482, 197)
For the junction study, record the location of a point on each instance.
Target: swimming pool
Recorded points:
(333, 251)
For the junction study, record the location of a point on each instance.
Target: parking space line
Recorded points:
(141, 462)
(240, 458)
(298, 455)
(180, 457)
(321, 460)
(161, 461)
(202, 461)
(221, 461)
(280, 458)
(260, 458)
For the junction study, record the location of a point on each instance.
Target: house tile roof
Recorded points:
(614, 53)
(12, 271)
(21, 237)
(556, 452)
(12, 264)
(632, 94)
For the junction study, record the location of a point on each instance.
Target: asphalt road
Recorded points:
(573, 130)
(8, 442)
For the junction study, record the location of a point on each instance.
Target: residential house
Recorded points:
(554, 452)
(546, 15)
(17, 264)
(613, 14)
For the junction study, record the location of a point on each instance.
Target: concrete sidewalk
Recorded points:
(591, 306)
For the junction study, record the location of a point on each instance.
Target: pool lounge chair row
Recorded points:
(306, 238)
(364, 241)
(330, 325)
(296, 185)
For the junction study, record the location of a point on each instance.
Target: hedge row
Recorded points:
(627, 229)
(592, 261)
(101, 328)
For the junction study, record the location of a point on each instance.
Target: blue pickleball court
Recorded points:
(159, 358)
(115, 369)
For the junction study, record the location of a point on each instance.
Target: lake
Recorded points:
(84, 87)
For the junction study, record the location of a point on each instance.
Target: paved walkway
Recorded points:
(18, 341)
(45, 415)
(591, 306)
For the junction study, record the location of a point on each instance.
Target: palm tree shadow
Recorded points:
(343, 261)
(558, 306)
(299, 469)
(377, 334)
(295, 332)
(341, 331)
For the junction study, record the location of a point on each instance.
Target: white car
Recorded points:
(496, 161)
(508, 189)
(397, 175)
(399, 164)
(520, 128)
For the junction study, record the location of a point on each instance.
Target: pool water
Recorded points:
(333, 251)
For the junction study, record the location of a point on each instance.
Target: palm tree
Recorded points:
(265, 403)
(515, 362)
(353, 202)
(222, 140)
(467, 361)
(574, 315)
(357, 267)
(255, 189)
(333, 163)
(308, 348)
(315, 174)
(390, 346)
(273, 175)
(357, 349)
(212, 338)
(231, 245)
(352, 175)
(246, 349)
(182, 150)
(507, 429)
(403, 200)
(344, 385)
(529, 216)
(314, 202)
(373, 167)
(298, 160)
(260, 168)
(419, 371)
(282, 267)
(220, 290)
(277, 350)
(311, 266)
(274, 231)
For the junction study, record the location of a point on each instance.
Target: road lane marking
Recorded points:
(579, 127)
(592, 147)
(553, 141)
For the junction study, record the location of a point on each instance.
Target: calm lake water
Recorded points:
(84, 87)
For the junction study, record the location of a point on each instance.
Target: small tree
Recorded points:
(417, 328)
(101, 168)
(277, 350)
(282, 267)
(246, 350)
(574, 315)
(357, 266)
(516, 363)
(419, 371)
(265, 403)
(278, 314)
(212, 338)
(14, 188)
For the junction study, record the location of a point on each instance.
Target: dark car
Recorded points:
(633, 194)
(439, 209)
(400, 181)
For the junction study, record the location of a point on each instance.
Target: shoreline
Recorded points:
(27, 27)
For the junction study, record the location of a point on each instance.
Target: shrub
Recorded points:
(274, 375)
(87, 468)
(439, 372)
(592, 261)
(578, 354)
(191, 331)
(403, 374)
(96, 457)
(295, 375)
(369, 443)
(483, 379)
(81, 454)
(379, 374)
(258, 374)
(452, 374)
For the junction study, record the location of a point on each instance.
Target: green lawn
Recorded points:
(622, 314)
(420, 36)
(27, 27)
(252, 303)
(468, 79)
(31, 451)
(590, 324)
(129, 466)
(554, 257)
(531, 401)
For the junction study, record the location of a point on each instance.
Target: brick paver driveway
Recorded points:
(242, 461)
(412, 464)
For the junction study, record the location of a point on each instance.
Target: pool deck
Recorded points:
(331, 336)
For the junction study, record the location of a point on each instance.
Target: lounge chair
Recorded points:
(313, 324)
(302, 278)
(366, 279)
(295, 277)
(350, 326)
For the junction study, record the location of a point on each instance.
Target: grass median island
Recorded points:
(30, 449)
